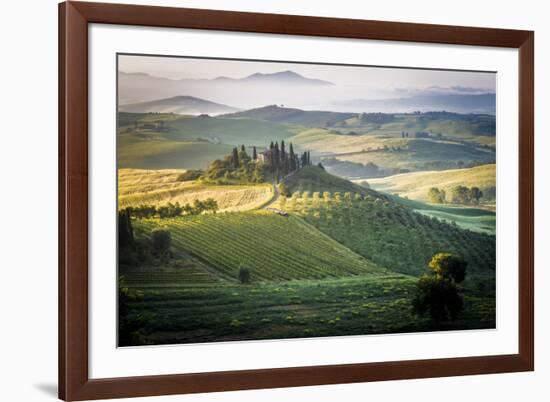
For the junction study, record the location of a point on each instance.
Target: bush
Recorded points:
(436, 195)
(161, 240)
(283, 188)
(244, 275)
(190, 175)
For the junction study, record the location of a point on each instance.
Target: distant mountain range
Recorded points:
(281, 78)
(458, 103)
(180, 105)
(140, 87)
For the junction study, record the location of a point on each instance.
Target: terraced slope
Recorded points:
(272, 247)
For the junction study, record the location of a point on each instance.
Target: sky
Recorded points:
(376, 79)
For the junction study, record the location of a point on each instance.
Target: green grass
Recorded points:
(157, 153)
(297, 309)
(272, 247)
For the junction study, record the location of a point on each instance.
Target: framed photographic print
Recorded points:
(260, 200)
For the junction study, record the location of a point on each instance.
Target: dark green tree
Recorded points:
(448, 266)
(244, 274)
(161, 239)
(292, 158)
(125, 230)
(438, 293)
(235, 158)
(438, 297)
(475, 194)
(254, 153)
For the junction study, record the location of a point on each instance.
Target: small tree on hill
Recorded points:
(448, 266)
(439, 297)
(161, 239)
(254, 153)
(475, 194)
(244, 275)
(437, 293)
(436, 195)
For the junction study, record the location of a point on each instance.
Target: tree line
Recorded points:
(282, 162)
(458, 195)
(172, 210)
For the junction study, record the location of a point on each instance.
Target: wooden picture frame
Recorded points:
(74, 381)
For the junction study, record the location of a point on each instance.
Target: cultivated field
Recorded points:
(160, 187)
(386, 232)
(293, 309)
(265, 243)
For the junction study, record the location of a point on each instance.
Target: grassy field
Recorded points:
(158, 187)
(296, 309)
(416, 185)
(475, 219)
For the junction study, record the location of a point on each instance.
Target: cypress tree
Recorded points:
(292, 158)
(254, 153)
(276, 156)
(235, 158)
(243, 148)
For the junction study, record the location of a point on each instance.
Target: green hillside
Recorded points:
(390, 234)
(276, 114)
(314, 178)
(171, 141)
(265, 243)
(415, 185)
(476, 219)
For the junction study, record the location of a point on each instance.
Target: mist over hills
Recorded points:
(424, 102)
(188, 105)
(290, 89)
(252, 90)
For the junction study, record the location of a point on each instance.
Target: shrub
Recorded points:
(244, 275)
(283, 188)
(190, 175)
(436, 195)
(161, 240)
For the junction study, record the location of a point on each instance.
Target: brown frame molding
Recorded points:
(74, 17)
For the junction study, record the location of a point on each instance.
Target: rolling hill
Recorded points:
(159, 187)
(386, 232)
(257, 240)
(188, 105)
(284, 115)
(416, 185)
(316, 179)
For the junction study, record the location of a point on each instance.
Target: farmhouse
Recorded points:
(264, 156)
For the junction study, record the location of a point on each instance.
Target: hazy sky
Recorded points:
(374, 78)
